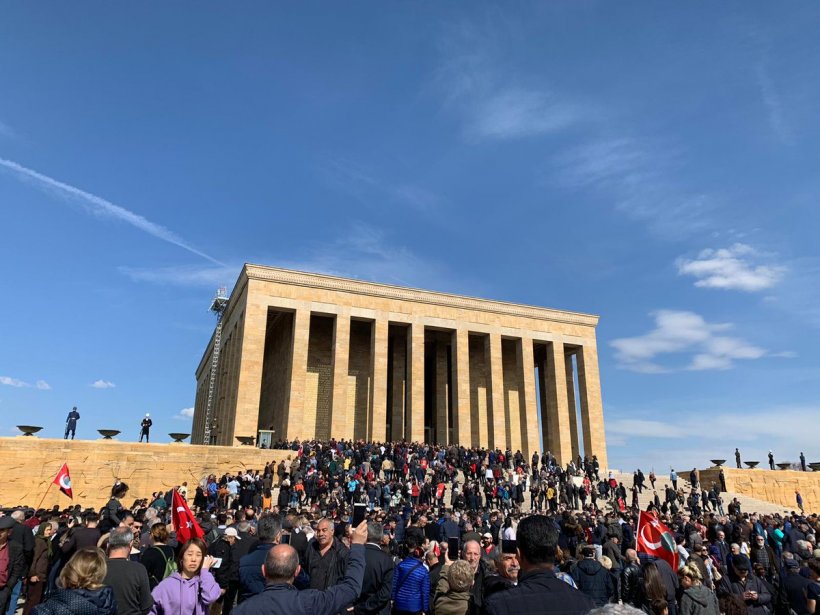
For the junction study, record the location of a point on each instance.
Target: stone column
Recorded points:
(529, 406)
(572, 404)
(250, 372)
(298, 371)
(592, 410)
(414, 415)
(557, 407)
(399, 384)
(341, 425)
(498, 437)
(462, 430)
(442, 393)
(378, 371)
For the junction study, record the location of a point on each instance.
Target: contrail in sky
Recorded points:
(100, 206)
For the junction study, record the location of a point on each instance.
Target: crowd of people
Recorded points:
(366, 528)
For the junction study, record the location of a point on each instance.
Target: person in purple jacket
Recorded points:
(191, 590)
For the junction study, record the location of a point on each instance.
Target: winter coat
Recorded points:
(761, 606)
(699, 600)
(538, 592)
(594, 580)
(78, 602)
(176, 594)
(283, 598)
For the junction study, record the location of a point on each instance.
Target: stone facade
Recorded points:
(775, 486)
(30, 465)
(317, 356)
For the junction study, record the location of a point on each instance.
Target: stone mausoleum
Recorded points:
(304, 355)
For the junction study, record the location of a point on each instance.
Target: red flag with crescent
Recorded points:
(654, 538)
(185, 525)
(63, 481)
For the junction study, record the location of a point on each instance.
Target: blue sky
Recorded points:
(653, 164)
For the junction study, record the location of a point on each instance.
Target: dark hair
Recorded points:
(653, 586)
(268, 527)
(537, 538)
(159, 532)
(119, 490)
(194, 542)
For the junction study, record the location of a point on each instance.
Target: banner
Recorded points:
(185, 525)
(654, 538)
(63, 481)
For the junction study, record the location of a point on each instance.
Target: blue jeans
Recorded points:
(15, 595)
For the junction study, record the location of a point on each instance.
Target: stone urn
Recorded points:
(108, 434)
(718, 462)
(751, 464)
(245, 440)
(178, 437)
(784, 466)
(29, 430)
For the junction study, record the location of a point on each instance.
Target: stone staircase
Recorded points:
(748, 504)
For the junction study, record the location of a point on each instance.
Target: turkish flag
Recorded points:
(63, 481)
(185, 525)
(654, 538)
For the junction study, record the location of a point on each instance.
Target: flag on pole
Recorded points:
(185, 525)
(63, 481)
(654, 538)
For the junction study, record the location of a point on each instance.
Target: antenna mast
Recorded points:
(218, 305)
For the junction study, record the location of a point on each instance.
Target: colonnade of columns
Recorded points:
(449, 386)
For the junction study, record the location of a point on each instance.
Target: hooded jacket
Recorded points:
(594, 580)
(78, 602)
(176, 594)
(699, 600)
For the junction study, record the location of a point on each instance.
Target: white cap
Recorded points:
(232, 532)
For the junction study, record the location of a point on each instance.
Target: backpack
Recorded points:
(170, 566)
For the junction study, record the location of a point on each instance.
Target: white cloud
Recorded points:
(43, 385)
(371, 190)
(360, 251)
(493, 101)
(185, 275)
(637, 442)
(103, 384)
(513, 112)
(101, 207)
(639, 176)
(186, 414)
(771, 101)
(730, 268)
(6, 131)
(683, 333)
(13, 382)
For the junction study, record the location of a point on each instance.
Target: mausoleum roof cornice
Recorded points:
(376, 289)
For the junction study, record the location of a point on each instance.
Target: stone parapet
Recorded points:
(29, 465)
(775, 486)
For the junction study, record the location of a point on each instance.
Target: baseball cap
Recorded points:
(487, 535)
(232, 532)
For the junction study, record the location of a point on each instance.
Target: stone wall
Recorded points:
(776, 486)
(30, 464)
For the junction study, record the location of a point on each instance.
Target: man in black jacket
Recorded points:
(539, 591)
(12, 562)
(326, 557)
(280, 596)
(631, 578)
(374, 598)
(223, 549)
